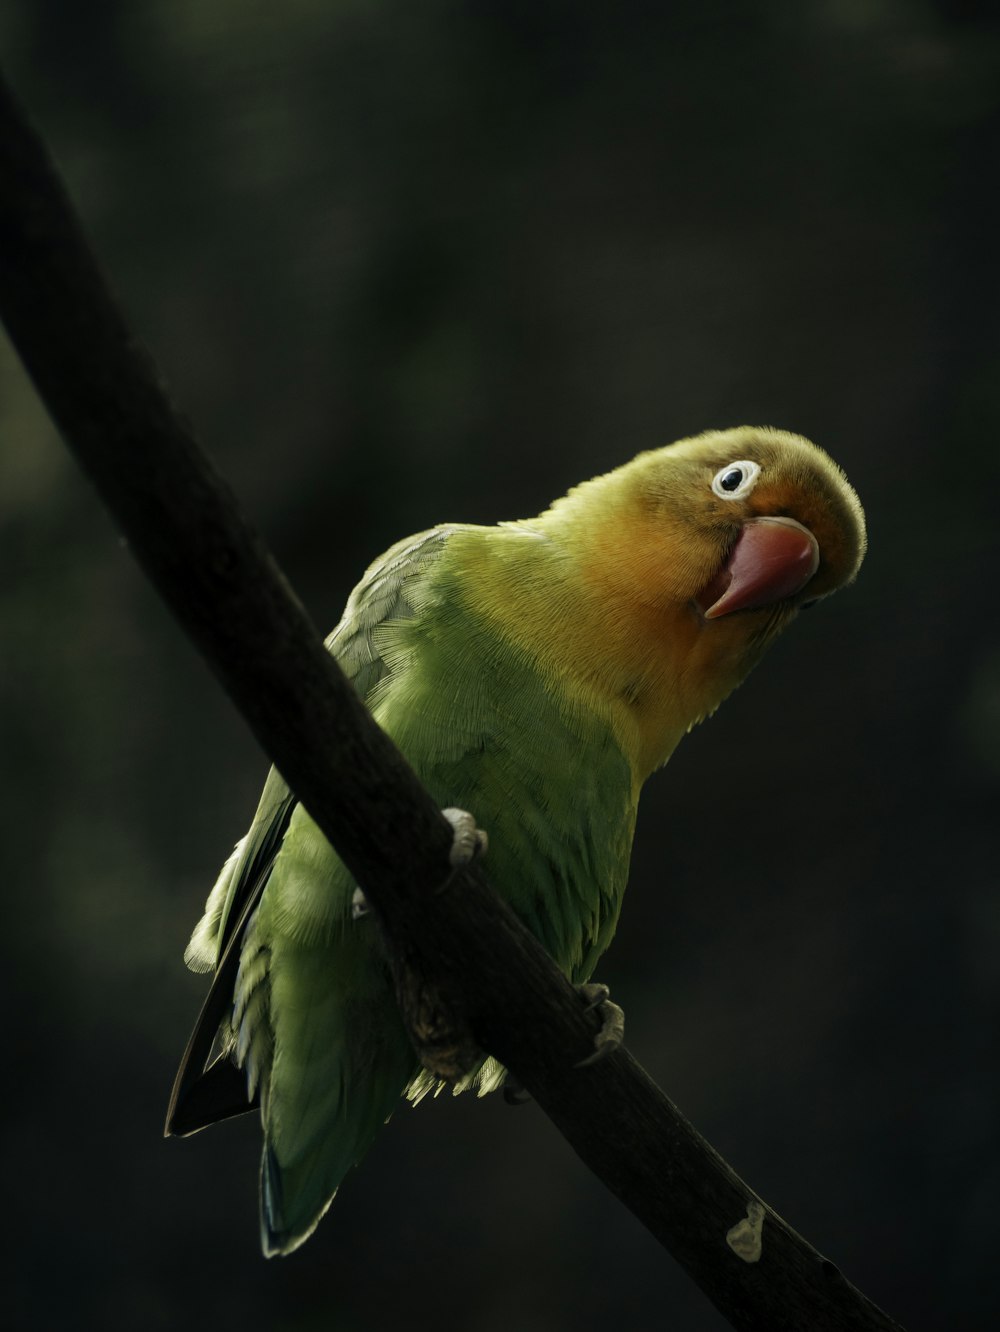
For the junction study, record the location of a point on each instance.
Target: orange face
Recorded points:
(699, 554)
(648, 594)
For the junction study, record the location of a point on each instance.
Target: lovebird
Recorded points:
(535, 674)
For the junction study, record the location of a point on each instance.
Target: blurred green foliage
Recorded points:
(408, 263)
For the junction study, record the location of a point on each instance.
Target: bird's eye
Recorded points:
(736, 479)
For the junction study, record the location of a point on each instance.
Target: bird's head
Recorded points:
(762, 520)
(706, 549)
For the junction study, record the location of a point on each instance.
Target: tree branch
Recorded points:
(463, 958)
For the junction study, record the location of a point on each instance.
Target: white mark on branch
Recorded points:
(746, 1237)
(359, 905)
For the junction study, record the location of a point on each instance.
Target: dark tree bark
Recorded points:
(467, 969)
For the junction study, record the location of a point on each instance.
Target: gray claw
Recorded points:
(469, 841)
(612, 1031)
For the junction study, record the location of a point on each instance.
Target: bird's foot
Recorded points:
(607, 1040)
(434, 1015)
(468, 841)
(612, 1031)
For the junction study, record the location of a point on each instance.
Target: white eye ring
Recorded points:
(742, 477)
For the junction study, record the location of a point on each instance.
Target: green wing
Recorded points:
(207, 1090)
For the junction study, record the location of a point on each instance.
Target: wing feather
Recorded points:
(205, 1091)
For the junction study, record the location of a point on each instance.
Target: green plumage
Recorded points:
(314, 1022)
(534, 674)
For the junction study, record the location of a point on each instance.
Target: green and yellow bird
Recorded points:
(534, 673)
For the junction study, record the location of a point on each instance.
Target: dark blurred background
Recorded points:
(405, 263)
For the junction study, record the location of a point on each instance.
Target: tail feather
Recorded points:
(341, 1060)
(295, 1193)
(279, 1232)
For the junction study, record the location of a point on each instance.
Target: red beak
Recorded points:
(773, 558)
